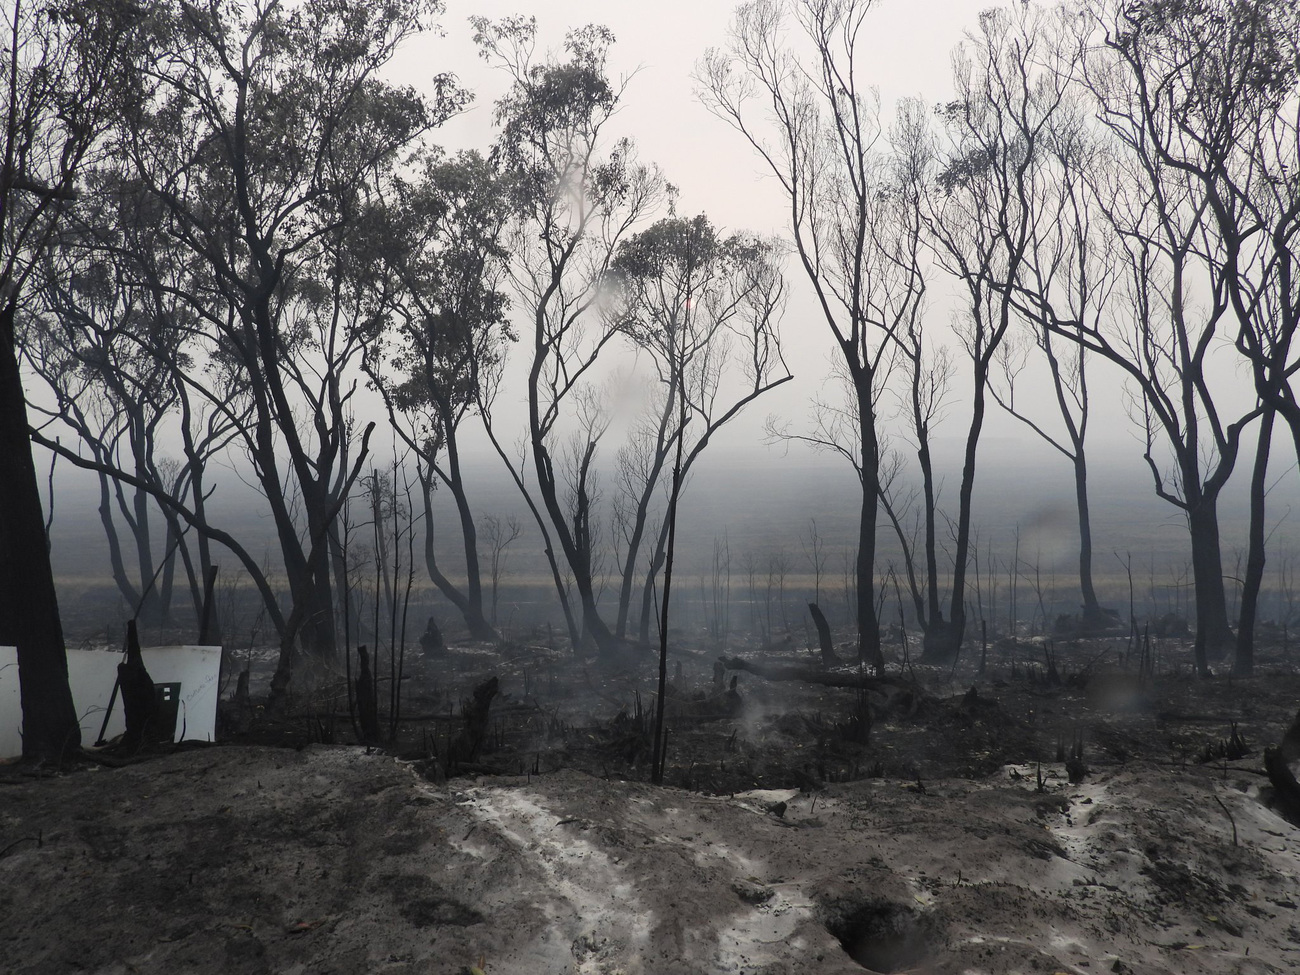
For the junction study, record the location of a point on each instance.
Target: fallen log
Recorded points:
(811, 675)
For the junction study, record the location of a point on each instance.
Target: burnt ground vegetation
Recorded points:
(1080, 805)
(730, 730)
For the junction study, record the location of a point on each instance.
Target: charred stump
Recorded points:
(139, 700)
(431, 640)
(367, 709)
(475, 712)
(823, 635)
(1277, 763)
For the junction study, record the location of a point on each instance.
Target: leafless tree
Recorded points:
(814, 123)
(1216, 87)
(703, 309)
(1071, 258)
(977, 207)
(577, 196)
(109, 341)
(1160, 330)
(500, 535)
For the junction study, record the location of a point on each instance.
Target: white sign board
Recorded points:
(91, 675)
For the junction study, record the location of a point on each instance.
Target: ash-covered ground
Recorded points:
(916, 825)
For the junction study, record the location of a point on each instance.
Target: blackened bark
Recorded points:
(1213, 632)
(931, 542)
(1094, 616)
(139, 701)
(949, 644)
(648, 590)
(823, 635)
(1244, 663)
(472, 613)
(869, 650)
(29, 606)
(478, 625)
(367, 709)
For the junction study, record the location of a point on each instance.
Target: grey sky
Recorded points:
(909, 47)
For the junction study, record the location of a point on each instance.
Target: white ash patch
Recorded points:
(591, 900)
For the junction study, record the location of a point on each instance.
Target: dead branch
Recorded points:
(810, 675)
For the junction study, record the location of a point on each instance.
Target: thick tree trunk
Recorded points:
(29, 606)
(1244, 663)
(823, 635)
(869, 650)
(1094, 616)
(1213, 632)
(472, 611)
(479, 627)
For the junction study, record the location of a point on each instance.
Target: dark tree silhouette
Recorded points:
(64, 75)
(441, 241)
(815, 126)
(701, 308)
(263, 137)
(578, 195)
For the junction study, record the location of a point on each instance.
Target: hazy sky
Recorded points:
(908, 49)
(908, 54)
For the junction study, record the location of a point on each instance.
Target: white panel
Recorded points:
(11, 711)
(91, 674)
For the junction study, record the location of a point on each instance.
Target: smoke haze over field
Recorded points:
(760, 502)
(757, 504)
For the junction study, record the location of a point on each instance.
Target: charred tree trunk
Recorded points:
(869, 650)
(1094, 616)
(946, 642)
(1244, 663)
(1213, 632)
(931, 541)
(479, 627)
(29, 606)
(139, 700)
(367, 708)
(823, 635)
(469, 606)
(648, 590)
